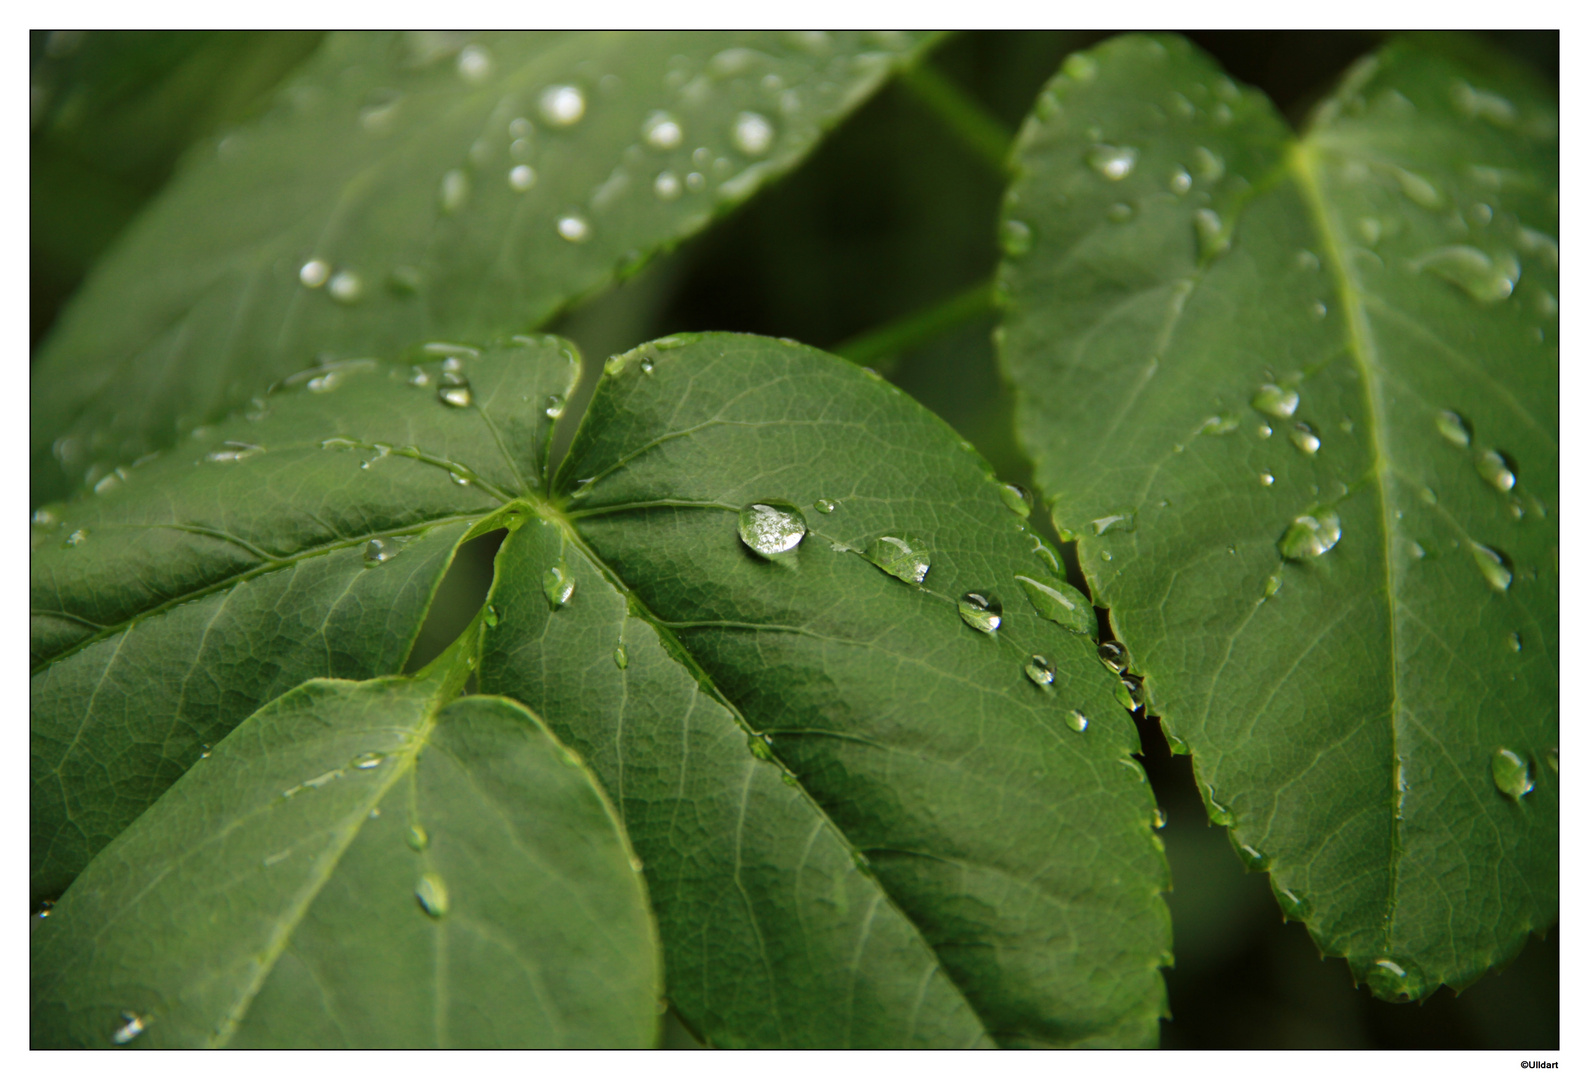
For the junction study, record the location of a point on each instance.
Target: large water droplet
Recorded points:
(662, 131)
(562, 105)
(752, 134)
(1059, 602)
(1114, 656)
(1016, 498)
(314, 273)
(1124, 521)
(1040, 670)
(1495, 470)
(1488, 280)
(1129, 692)
(1511, 774)
(906, 558)
(132, 1026)
(431, 892)
(1492, 564)
(1310, 536)
(1279, 402)
(981, 612)
(573, 228)
(1453, 428)
(1076, 720)
(558, 586)
(454, 191)
(453, 389)
(771, 529)
(1304, 438)
(1112, 162)
(379, 550)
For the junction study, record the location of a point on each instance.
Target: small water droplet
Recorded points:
(667, 186)
(1114, 656)
(1129, 692)
(1278, 402)
(454, 191)
(1015, 237)
(620, 656)
(981, 612)
(521, 178)
(1515, 640)
(1180, 181)
(1304, 438)
(204, 751)
(379, 550)
(431, 892)
(1040, 670)
(417, 838)
(1492, 564)
(1076, 720)
(1453, 427)
(1124, 521)
(453, 389)
(1016, 498)
(370, 760)
(562, 105)
(132, 1026)
(554, 406)
(1112, 162)
(232, 451)
(1218, 814)
(760, 746)
(346, 287)
(1495, 470)
(314, 273)
(573, 228)
(1267, 479)
(1209, 165)
(474, 63)
(771, 529)
(905, 558)
(826, 506)
(1420, 190)
(1487, 280)
(1212, 240)
(1061, 603)
(753, 134)
(662, 131)
(1510, 773)
(1308, 536)
(647, 365)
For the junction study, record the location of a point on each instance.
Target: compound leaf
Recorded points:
(357, 865)
(1296, 396)
(864, 819)
(409, 186)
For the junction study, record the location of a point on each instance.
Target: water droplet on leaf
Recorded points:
(771, 529)
(907, 559)
(1495, 470)
(562, 105)
(1076, 720)
(1305, 439)
(981, 612)
(1453, 428)
(620, 656)
(752, 134)
(417, 838)
(1487, 280)
(1124, 521)
(1015, 237)
(558, 586)
(1310, 536)
(1129, 692)
(1040, 670)
(1061, 603)
(1492, 564)
(454, 191)
(369, 760)
(431, 892)
(453, 390)
(132, 1026)
(1510, 773)
(1279, 402)
(826, 506)
(1112, 162)
(662, 131)
(379, 550)
(314, 273)
(1016, 498)
(521, 178)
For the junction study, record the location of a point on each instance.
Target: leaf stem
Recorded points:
(979, 130)
(881, 347)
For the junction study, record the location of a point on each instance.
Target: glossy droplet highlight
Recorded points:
(379, 550)
(1510, 773)
(1040, 670)
(1310, 536)
(1279, 402)
(521, 178)
(1016, 498)
(981, 611)
(905, 558)
(562, 105)
(554, 406)
(662, 131)
(431, 892)
(1487, 280)
(314, 273)
(667, 186)
(1060, 602)
(1453, 428)
(132, 1026)
(752, 134)
(1495, 470)
(1267, 479)
(1129, 692)
(1112, 162)
(1492, 564)
(620, 656)
(826, 506)
(771, 529)
(1114, 656)
(558, 586)
(1076, 720)
(1305, 439)
(370, 760)
(453, 390)
(474, 63)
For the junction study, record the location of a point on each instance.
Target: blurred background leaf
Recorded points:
(894, 214)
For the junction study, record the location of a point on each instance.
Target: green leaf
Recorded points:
(357, 865)
(861, 821)
(413, 186)
(1296, 396)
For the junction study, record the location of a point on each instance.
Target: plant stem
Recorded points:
(880, 348)
(981, 132)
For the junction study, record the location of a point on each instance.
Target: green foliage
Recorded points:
(779, 712)
(1318, 374)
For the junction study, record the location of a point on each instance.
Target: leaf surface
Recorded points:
(355, 866)
(861, 820)
(409, 186)
(1296, 396)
